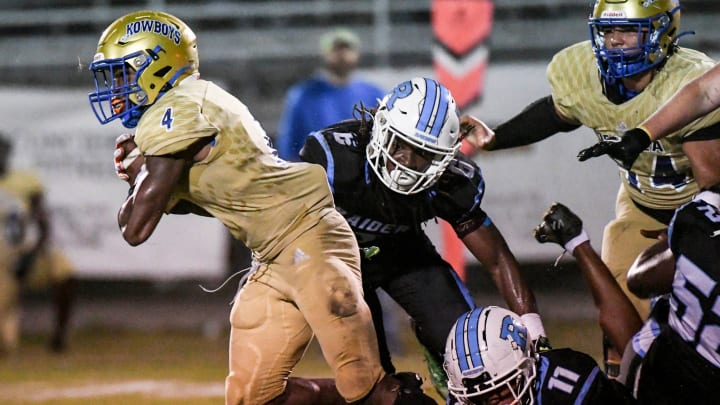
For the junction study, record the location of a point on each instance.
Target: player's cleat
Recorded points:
(559, 225)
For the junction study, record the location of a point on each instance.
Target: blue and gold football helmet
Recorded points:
(656, 23)
(139, 57)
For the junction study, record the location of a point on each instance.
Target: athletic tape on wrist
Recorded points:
(534, 325)
(130, 158)
(574, 242)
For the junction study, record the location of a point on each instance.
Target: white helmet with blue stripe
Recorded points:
(420, 113)
(488, 353)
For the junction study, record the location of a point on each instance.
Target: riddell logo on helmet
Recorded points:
(613, 14)
(154, 26)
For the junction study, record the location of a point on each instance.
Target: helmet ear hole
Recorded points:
(162, 71)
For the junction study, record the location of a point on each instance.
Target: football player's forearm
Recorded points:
(138, 220)
(617, 317)
(142, 210)
(488, 245)
(505, 272)
(537, 121)
(516, 292)
(124, 213)
(692, 101)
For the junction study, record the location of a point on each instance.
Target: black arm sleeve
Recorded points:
(704, 134)
(536, 122)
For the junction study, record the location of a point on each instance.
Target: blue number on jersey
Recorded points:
(695, 299)
(167, 119)
(345, 138)
(664, 174)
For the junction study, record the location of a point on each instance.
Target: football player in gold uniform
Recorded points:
(202, 151)
(694, 100)
(43, 265)
(628, 69)
(12, 230)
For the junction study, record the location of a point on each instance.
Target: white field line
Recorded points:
(155, 388)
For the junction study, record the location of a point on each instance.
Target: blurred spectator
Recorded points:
(41, 265)
(326, 97)
(12, 229)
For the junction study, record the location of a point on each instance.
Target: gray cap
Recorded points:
(338, 37)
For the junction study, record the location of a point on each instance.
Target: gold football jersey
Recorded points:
(661, 176)
(21, 184)
(12, 228)
(265, 201)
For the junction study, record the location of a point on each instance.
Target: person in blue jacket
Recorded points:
(326, 97)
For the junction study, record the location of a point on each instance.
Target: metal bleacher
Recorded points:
(257, 48)
(255, 37)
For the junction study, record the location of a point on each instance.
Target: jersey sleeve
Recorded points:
(335, 148)
(172, 125)
(459, 194)
(566, 74)
(313, 151)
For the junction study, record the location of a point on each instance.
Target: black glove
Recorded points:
(559, 225)
(624, 152)
(542, 344)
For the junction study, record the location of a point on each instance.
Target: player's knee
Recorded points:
(343, 300)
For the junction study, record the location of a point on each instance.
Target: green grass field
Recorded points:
(105, 366)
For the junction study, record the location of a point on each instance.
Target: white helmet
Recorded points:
(488, 350)
(421, 113)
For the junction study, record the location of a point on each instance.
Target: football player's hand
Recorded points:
(476, 133)
(561, 226)
(128, 159)
(624, 152)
